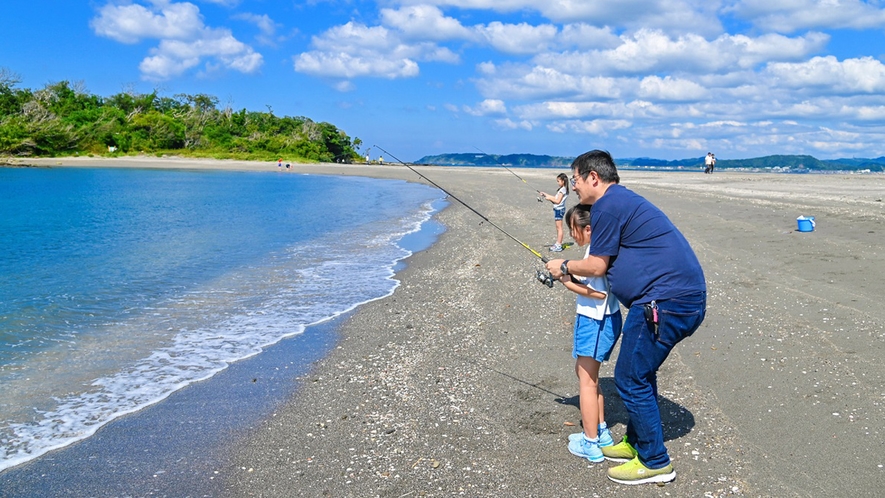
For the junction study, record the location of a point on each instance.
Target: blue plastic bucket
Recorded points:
(806, 224)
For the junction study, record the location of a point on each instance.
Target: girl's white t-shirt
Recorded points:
(564, 197)
(592, 307)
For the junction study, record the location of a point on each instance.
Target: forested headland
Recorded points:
(62, 119)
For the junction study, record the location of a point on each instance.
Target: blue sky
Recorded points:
(669, 79)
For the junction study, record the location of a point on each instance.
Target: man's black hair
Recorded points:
(599, 161)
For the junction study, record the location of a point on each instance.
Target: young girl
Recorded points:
(558, 201)
(597, 329)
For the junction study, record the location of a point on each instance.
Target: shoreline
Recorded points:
(462, 381)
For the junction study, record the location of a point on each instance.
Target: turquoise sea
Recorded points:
(119, 287)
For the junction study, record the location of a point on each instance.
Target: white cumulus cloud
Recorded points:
(267, 28)
(133, 23)
(795, 15)
(487, 107)
(679, 15)
(353, 50)
(671, 89)
(598, 127)
(863, 75)
(520, 38)
(425, 22)
(184, 40)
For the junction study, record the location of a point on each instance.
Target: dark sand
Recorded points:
(462, 382)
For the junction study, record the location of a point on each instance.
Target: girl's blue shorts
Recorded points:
(558, 214)
(596, 338)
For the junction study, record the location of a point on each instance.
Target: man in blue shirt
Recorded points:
(654, 273)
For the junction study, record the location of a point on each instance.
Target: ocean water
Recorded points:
(121, 286)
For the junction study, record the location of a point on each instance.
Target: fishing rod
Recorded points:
(546, 279)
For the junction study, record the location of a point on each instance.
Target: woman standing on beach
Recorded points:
(558, 201)
(597, 329)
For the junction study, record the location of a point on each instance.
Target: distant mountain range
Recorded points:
(780, 163)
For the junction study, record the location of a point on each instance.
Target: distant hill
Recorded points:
(785, 163)
(876, 164)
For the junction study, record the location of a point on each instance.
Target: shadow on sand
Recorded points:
(677, 419)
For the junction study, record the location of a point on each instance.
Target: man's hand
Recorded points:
(553, 267)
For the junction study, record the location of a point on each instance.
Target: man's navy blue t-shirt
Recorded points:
(650, 259)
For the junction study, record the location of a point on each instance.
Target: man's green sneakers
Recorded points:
(621, 452)
(634, 472)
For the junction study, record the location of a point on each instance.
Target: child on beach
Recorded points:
(597, 329)
(558, 201)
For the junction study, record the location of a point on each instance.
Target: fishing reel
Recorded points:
(539, 199)
(545, 278)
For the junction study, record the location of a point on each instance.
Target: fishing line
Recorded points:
(510, 170)
(546, 279)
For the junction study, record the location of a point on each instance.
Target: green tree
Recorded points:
(11, 99)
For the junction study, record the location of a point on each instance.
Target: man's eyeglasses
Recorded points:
(574, 178)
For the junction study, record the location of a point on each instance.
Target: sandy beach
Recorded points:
(462, 382)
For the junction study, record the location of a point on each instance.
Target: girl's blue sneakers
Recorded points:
(585, 448)
(605, 437)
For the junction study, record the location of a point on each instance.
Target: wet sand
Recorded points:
(462, 382)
